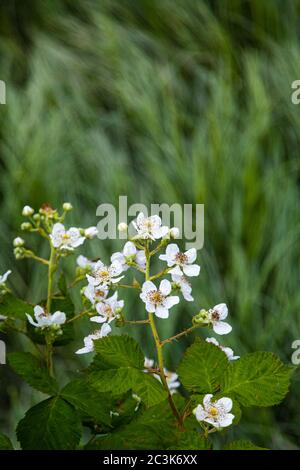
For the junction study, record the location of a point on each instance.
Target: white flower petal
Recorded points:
(200, 413)
(176, 271)
(165, 287)
(191, 255)
(38, 310)
(222, 328)
(162, 312)
(207, 400)
(226, 421)
(58, 318)
(98, 319)
(191, 270)
(148, 286)
(226, 403)
(31, 321)
(222, 310)
(171, 301)
(129, 249)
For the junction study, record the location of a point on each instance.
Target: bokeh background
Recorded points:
(164, 101)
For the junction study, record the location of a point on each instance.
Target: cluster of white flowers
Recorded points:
(101, 277)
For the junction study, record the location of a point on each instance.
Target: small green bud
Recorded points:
(26, 226)
(67, 206)
(27, 211)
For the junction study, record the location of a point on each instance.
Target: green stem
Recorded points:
(136, 322)
(179, 335)
(160, 274)
(49, 353)
(158, 345)
(80, 315)
(51, 270)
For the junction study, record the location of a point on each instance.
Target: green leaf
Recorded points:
(118, 381)
(154, 428)
(12, 307)
(53, 424)
(33, 372)
(202, 367)
(242, 445)
(191, 440)
(257, 379)
(62, 284)
(120, 351)
(5, 443)
(87, 400)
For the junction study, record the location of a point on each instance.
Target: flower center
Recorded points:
(99, 294)
(215, 315)
(66, 237)
(181, 258)
(108, 311)
(103, 274)
(213, 411)
(147, 225)
(155, 297)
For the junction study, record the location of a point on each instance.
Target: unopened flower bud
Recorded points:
(19, 253)
(27, 211)
(91, 232)
(37, 217)
(18, 242)
(67, 206)
(122, 227)
(174, 232)
(200, 318)
(26, 226)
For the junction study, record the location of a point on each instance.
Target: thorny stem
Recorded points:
(179, 335)
(136, 322)
(160, 274)
(51, 270)
(49, 352)
(80, 315)
(126, 286)
(158, 345)
(30, 254)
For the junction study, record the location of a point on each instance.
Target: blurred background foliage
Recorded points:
(164, 101)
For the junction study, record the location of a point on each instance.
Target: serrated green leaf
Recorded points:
(33, 372)
(257, 379)
(202, 367)
(88, 400)
(118, 381)
(5, 443)
(154, 428)
(12, 307)
(242, 445)
(53, 424)
(120, 351)
(191, 440)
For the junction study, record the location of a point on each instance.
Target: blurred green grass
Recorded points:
(166, 101)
